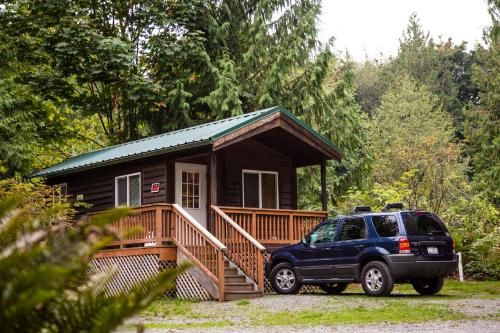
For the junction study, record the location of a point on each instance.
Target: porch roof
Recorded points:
(192, 137)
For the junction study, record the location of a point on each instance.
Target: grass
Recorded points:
(243, 302)
(392, 312)
(351, 307)
(203, 324)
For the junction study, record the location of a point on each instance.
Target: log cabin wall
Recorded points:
(253, 155)
(98, 185)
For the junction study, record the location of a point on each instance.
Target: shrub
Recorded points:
(44, 280)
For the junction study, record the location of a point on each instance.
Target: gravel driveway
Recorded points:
(460, 308)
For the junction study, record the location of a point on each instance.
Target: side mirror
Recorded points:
(305, 241)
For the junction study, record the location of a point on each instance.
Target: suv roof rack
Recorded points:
(395, 205)
(359, 209)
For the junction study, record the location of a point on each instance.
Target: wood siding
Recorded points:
(98, 185)
(253, 155)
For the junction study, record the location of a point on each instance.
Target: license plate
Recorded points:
(432, 250)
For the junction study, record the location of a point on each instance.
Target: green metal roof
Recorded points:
(191, 137)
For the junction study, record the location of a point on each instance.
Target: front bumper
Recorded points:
(409, 265)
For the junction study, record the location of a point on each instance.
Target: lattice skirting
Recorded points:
(131, 270)
(268, 289)
(186, 286)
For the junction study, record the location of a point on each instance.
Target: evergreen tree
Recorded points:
(482, 126)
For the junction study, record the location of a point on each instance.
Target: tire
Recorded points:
(333, 288)
(428, 286)
(376, 279)
(284, 279)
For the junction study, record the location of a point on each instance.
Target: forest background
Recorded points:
(421, 127)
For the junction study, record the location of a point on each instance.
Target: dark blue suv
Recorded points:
(375, 249)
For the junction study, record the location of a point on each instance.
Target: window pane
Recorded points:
(386, 226)
(422, 224)
(135, 191)
(353, 229)
(122, 191)
(251, 188)
(269, 190)
(324, 234)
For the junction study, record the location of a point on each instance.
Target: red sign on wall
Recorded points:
(155, 187)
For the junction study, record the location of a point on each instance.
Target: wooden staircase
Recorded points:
(237, 285)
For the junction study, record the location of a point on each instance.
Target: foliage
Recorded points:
(345, 125)
(475, 225)
(412, 136)
(444, 68)
(44, 280)
(376, 196)
(371, 83)
(482, 125)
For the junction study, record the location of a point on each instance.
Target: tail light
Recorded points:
(404, 246)
(453, 245)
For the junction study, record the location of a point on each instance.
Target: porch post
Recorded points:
(324, 205)
(213, 188)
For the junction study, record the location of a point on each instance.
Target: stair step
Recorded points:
(234, 279)
(230, 271)
(239, 286)
(236, 295)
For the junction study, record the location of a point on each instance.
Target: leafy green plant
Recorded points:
(45, 284)
(475, 225)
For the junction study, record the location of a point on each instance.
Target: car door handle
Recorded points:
(359, 246)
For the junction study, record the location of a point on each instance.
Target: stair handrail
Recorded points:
(200, 228)
(240, 229)
(220, 249)
(258, 275)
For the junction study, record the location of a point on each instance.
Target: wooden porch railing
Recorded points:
(275, 226)
(200, 246)
(242, 249)
(153, 225)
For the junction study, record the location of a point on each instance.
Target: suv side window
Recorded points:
(386, 225)
(353, 229)
(324, 234)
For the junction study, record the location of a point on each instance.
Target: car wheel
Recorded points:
(376, 279)
(333, 288)
(428, 286)
(284, 280)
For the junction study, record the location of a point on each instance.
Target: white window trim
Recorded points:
(260, 172)
(128, 188)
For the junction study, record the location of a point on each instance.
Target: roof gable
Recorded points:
(183, 139)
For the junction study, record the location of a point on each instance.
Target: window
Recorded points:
(190, 189)
(59, 192)
(386, 225)
(353, 229)
(324, 234)
(260, 189)
(128, 190)
(422, 224)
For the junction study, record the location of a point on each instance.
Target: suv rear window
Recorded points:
(422, 224)
(386, 225)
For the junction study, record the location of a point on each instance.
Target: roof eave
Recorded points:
(121, 160)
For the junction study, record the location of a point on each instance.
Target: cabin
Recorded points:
(220, 195)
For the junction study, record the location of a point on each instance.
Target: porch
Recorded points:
(228, 257)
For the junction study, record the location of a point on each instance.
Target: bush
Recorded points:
(44, 281)
(475, 225)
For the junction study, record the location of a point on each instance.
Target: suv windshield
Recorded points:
(422, 224)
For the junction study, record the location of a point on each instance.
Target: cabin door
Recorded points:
(191, 190)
